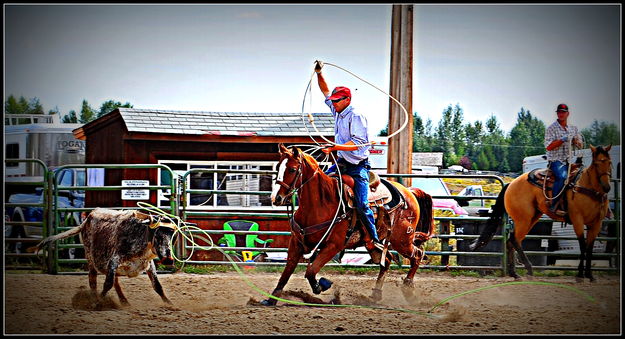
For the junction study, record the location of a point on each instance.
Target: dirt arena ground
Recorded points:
(223, 303)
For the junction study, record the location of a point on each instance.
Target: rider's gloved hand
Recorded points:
(318, 66)
(565, 138)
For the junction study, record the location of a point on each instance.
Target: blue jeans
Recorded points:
(559, 170)
(360, 173)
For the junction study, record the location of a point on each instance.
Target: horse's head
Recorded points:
(292, 174)
(603, 165)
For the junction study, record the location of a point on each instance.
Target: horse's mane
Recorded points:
(328, 188)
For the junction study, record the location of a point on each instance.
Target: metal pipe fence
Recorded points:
(178, 206)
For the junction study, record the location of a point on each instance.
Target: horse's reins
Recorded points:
(594, 194)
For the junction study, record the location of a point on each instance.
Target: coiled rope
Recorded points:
(312, 120)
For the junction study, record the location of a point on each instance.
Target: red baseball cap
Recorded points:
(340, 92)
(562, 107)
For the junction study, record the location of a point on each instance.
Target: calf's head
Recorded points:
(162, 244)
(160, 235)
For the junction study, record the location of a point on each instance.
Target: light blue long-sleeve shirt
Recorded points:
(350, 125)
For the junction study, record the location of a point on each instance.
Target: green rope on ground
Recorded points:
(183, 226)
(206, 238)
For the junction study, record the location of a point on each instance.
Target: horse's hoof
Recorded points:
(530, 277)
(579, 279)
(316, 288)
(268, 302)
(325, 284)
(591, 278)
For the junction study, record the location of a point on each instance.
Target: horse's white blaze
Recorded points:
(276, 187)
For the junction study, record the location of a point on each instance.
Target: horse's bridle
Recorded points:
(598, 196)
(291, 189)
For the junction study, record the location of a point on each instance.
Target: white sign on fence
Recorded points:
(143, 194)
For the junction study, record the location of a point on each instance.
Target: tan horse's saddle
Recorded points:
(543, 177)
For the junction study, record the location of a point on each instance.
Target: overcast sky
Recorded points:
(489, 59)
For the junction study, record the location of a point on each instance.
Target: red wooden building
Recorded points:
(186, 140)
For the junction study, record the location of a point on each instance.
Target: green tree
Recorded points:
(601, 133)
(383, 132)
(482, 160)
(527, 138)
(110, 105)
(495, 147)
(70, 118)
(12, 106)
(473, 134)
(457, 132)
(35, 107)
(443, 138)
(87, 113)
(23, 106)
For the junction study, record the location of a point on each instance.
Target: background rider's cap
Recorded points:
(563, 108)
(340, 92)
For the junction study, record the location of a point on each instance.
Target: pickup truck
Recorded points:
(66, 199)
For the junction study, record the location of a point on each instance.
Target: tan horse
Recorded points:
(406, 226)
(525, 203)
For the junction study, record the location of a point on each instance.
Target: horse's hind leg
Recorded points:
(516, 245)
(408, 286)
(377, 291)
(510, 249)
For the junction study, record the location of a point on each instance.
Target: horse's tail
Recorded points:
(494, 221)
(425, 225)
(45, 242)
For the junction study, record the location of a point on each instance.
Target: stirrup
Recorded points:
(558, 212)
(378, 245)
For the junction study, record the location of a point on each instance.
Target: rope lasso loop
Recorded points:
(311, 119)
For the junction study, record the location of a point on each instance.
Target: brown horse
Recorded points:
(525, 203)
(406, 227)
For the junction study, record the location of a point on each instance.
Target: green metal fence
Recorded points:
(57, 219)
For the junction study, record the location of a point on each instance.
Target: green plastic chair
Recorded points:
(240, 240)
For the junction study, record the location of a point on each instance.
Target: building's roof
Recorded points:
(226, 123)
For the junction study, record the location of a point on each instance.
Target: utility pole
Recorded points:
(400, 146)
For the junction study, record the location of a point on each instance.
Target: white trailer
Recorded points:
(41, 137)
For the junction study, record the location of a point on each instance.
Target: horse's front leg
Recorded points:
(324, 255)
(593, 232)
(578, 227)
(295, 254)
